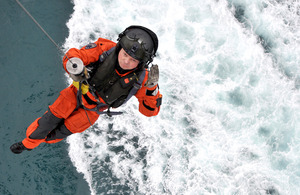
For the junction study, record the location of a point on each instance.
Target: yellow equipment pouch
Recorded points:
(84, 87)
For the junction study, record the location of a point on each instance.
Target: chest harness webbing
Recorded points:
(99, 105)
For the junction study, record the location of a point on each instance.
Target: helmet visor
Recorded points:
(133, 47)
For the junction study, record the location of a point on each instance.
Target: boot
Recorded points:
(18, 147)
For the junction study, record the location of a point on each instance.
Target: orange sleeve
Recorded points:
(149, 104)
(89, 53)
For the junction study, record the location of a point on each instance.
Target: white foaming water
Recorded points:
(229, 122)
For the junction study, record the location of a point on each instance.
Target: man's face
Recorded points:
(126, 61)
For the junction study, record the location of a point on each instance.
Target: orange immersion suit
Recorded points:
(64, 118)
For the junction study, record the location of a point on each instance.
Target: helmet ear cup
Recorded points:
(121, 35)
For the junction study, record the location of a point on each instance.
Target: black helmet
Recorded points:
(140, 43)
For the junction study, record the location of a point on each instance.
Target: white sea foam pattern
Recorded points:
(229, 123)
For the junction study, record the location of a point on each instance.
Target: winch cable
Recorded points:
(42, 29)
(56, 45)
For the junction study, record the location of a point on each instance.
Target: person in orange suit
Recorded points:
(105, 75)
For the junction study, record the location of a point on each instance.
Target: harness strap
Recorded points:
(136, 86)
(97, 108)
(105, 54)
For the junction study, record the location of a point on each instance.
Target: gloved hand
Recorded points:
(153, 76)
(80, 77)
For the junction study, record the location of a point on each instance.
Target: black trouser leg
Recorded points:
(47, 123)
(58, 133)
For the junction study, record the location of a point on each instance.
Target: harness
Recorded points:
(131, 80)
(99, 105)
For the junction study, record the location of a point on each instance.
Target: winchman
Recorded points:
(105, 75)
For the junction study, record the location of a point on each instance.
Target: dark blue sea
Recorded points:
(31, 77)
(230, 118)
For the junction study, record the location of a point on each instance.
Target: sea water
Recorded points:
(229, 121)
(31, 78)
